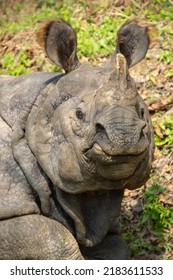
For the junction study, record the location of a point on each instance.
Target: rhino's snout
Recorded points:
(121, 135)
(119, 148)
(100, 129)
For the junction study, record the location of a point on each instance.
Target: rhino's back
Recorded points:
(17, 93)
(16, 195)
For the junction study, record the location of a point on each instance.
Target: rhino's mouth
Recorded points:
(117, 166)
(99, 155)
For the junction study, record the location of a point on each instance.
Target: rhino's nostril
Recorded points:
(100, 129)
(142, 127)
(141, 135)
(143, 131)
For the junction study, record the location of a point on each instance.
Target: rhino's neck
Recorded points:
(94, 213)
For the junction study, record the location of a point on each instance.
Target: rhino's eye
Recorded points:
(79, 114)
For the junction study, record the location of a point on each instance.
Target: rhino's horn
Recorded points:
(120, 74)
(119, 83)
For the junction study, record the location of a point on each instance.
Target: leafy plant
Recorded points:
(169, 73)
(166, 56)
(156, 221)
(164, 131)
(136, 245)
(155, 215)
(16, 65)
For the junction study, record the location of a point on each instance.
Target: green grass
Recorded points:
(96, 37)
(96, 34)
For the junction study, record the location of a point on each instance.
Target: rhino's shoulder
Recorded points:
(16, 196)
(17, 93)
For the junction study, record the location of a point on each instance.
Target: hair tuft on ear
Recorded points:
(41, 34)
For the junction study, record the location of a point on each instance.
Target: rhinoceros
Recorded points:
(70, 144)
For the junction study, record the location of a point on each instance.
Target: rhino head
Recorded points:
(99, 135)
(90, 130)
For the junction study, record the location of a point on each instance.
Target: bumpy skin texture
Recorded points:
(69, 146)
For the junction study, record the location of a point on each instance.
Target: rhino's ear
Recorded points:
(60, 43)
(133, 41)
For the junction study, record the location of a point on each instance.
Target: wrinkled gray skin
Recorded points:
(69, 146)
